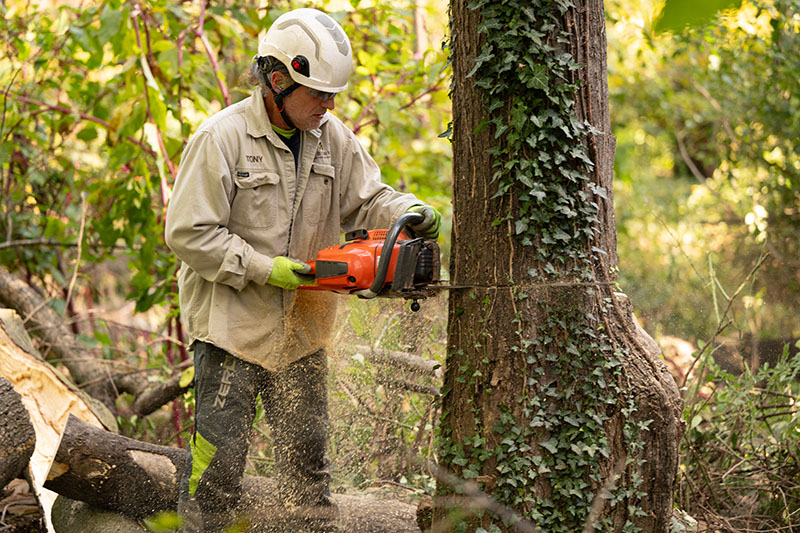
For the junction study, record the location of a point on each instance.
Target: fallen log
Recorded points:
(113, 472)
(72, 516)
(48, 398)
(17, 437)
(137, 479)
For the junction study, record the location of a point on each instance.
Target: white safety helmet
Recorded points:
(314, 48)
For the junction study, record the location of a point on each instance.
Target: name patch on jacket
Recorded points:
(254, 158)
(322, 156)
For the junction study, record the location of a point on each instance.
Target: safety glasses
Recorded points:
(321, 95)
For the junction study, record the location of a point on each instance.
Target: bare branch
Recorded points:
(407, 361)
(151, 399)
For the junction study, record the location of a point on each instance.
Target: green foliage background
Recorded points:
(707, 167)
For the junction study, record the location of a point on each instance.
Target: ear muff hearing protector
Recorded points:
(300, 65)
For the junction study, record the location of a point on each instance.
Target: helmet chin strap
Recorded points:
(279, 96)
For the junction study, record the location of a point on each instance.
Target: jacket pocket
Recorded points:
(256, 198)
(317, 196)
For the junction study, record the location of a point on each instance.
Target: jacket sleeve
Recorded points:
(197, 218)
(365, 201)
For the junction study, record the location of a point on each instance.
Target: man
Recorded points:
(263, 183)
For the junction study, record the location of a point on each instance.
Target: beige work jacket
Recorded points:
(238, 202)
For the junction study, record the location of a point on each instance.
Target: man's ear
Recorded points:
(278, 81)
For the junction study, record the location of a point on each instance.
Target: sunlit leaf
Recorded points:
(678, 14)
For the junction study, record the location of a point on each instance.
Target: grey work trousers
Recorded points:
(296, 410)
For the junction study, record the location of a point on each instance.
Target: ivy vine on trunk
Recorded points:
(555, 402)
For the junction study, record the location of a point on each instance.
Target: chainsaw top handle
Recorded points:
(386, 252)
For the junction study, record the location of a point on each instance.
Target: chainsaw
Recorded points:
(391, 263)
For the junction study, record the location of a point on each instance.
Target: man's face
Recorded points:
(306, 107)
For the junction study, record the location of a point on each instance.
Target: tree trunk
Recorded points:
(555, 402)
(137, 479)
(17, 438)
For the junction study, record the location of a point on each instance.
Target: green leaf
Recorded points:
(187, 376)
(110, 20)
(158, 110)
(469, 474)
(678, 14)
(539, 78)
(561, 235)
(550, 445)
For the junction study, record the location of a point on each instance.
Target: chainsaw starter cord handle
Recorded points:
(386, 252)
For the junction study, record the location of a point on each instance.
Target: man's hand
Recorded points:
(429, 227)
(285, 273)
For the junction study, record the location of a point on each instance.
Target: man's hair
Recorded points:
(260, 71)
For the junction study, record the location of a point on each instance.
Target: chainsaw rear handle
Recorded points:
(386, 253)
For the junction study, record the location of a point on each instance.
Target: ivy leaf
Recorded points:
(460, 461)
(469, 474)
(539, 78)
(561, 235)
(550, 445)
(486, 55)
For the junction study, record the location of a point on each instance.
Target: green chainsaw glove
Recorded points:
(285, 273)
(429, 227)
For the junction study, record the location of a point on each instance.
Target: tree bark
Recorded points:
(527, 355)
(137, 479)
(17, 437)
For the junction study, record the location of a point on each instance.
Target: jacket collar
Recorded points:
(258, 124)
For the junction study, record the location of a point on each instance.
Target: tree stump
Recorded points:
(17, 437)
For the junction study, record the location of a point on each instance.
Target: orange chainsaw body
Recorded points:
(351, 266)
(359, 265)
